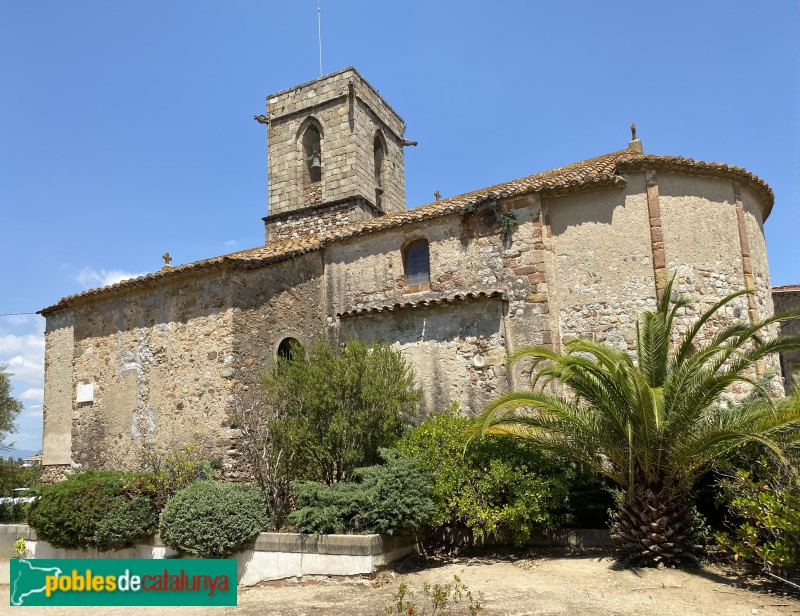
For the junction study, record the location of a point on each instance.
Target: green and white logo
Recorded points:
(129, 581)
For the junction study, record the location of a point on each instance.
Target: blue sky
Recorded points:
(126, 128)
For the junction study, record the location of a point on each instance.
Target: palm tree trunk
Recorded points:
(655, 526)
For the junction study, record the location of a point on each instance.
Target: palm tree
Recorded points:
(652, 423)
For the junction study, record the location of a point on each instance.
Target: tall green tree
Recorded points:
(9, 406)
(654, 422)
(324, 413)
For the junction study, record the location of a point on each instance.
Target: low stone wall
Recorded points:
(270, 556)
(567, 537)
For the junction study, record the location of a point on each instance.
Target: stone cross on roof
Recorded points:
(167, 259)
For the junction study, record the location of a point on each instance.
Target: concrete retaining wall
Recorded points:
(271, 556)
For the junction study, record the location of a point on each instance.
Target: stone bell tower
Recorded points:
(335, 155)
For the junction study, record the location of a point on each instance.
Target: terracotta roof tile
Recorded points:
(600, 172)
(430, 299)
(638, 162)
(787, 288)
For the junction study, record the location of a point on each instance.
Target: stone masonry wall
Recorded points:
(466, 255)
(285, 226)
(703, 246)
(159, 359)
(170, 359)
(58, 393)
(457, 350)
(603, 263)
(349, 121)
(785, 299)
(270, 304)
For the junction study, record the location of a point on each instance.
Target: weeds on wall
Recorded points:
(508, 222)
(162, 474)
(468, 210)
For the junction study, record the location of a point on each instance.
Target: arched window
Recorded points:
(379, 154)
(416, 265)
(312, 152)
(290, 349)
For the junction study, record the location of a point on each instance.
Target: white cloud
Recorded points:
(34, 393)
(24, 369)
(32, 412)
(21, 344)
(24, 357)
(22, 350)
(90, 278)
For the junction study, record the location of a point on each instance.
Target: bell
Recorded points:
(316, 163)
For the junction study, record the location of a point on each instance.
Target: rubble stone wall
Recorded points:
(160, 362)
(170, 359)
(603, 263)
(785, 299)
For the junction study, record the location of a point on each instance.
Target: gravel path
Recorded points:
(519, 584)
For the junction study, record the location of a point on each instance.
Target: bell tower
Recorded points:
(335, 155)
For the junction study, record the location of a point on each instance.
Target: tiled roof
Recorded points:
(639, 162)
(600, 172)
(421, 302)
(787, 288)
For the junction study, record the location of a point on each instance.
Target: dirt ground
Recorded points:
(519, 583)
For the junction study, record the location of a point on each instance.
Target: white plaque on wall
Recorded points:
(85, 393)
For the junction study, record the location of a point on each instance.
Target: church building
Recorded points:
(456, 285)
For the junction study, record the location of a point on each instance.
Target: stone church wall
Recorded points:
(171, 358)
(699, 219)
(160, 360)
(788, 298)
(457, 351)
(603, 263)
(58, 392)
(466, 255)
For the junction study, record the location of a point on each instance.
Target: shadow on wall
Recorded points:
(447, 346)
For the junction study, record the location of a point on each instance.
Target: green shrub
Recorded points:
(765, 503)
(335, 407)
(389, 499)
(488, 484)
(129, 522)
(68, 512)
(212, 519)
(161, 474)
(14, 513)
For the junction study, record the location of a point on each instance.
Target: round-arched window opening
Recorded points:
(290, 349)
(312, 150)
(416, 263)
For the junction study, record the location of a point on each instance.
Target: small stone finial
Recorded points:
(635, 144)
(167, 259)
(261, 119)
(438, 195)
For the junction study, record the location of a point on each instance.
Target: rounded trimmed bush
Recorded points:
(212, 519)
(67, 513)
(129, 522)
